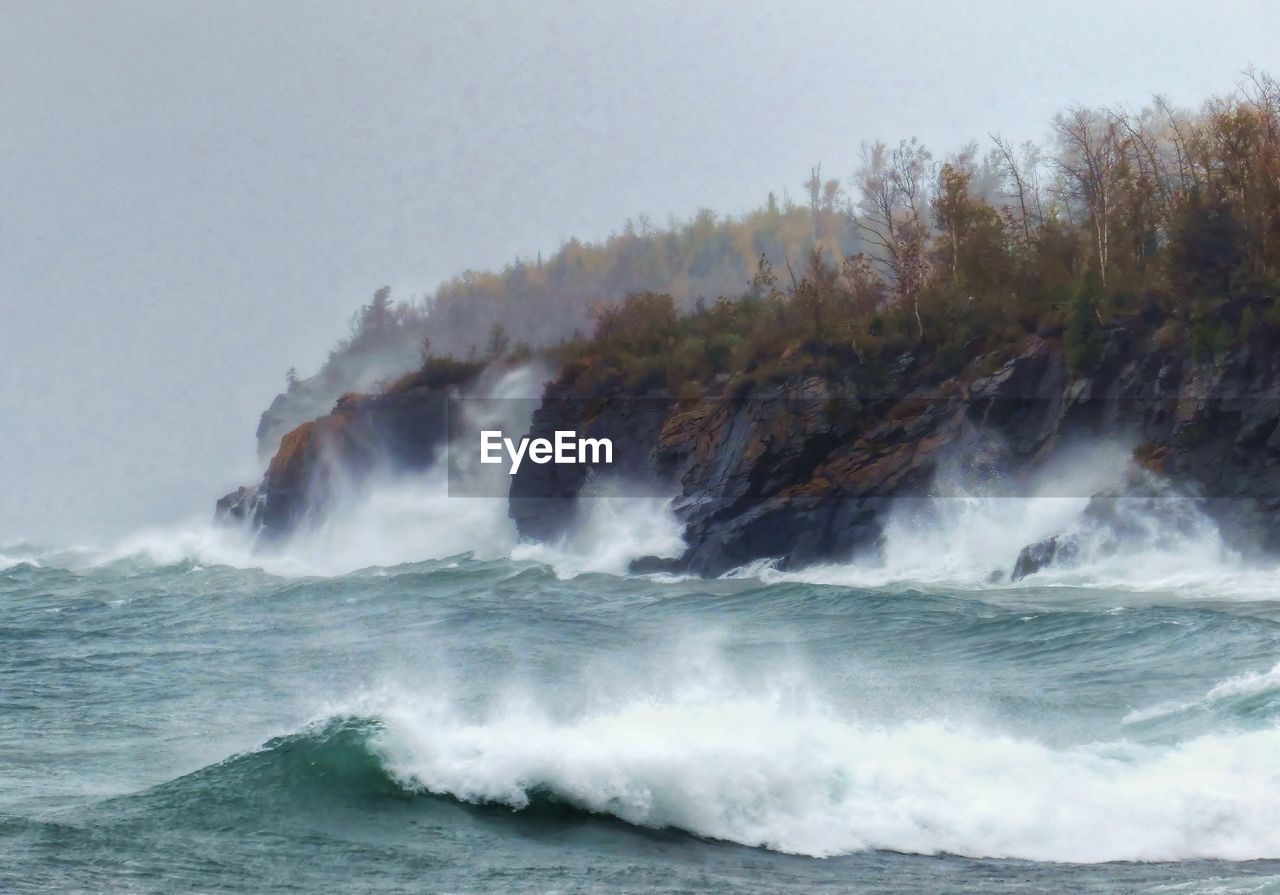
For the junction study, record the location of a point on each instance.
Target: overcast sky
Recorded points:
(195, 196)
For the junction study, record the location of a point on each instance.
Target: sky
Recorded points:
(195, 196)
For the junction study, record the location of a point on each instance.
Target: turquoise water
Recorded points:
(171, 723)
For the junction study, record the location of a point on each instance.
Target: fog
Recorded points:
(194, 197)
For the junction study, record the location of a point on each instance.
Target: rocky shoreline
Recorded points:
(805, 470)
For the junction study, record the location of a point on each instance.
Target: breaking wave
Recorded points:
(1239, 695)
(611, 533)
(790, 776)
(408, 519)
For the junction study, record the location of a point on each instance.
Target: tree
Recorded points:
(380, 310)
(970, 245)
(499, 343)
(1090, 162)
(863, 284)
(951, 209)
(1020, 174)
(1082, 336)
(813, 186)
(764, 282)
(892, 188)
(816, 291)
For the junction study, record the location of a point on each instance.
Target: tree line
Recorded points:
(1159, 209)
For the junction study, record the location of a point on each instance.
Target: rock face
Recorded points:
(543, 499)
(1035, 557)
(357, 369)
(404, 428)
(1145, 512)
(805, 470)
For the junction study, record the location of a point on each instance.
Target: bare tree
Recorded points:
(1146, 152)
(1020, 174)
(813, 186)
(1182, 142)
(1090, 158)
(893, 199)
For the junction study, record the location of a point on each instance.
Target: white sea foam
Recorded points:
(610, 532)
(8, 561)
(412, 518)
(965, 536)
(17, 553)
(970, 537)
(395, 518)
(766, 769)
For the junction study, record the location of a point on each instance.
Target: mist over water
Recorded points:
(967, 535)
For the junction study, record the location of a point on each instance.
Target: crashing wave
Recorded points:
(797, 778)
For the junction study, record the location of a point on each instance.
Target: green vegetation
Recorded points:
(1165, 213)
(437, 372)
(1082, 336)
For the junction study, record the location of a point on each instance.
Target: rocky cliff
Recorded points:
(806, 469)
(403, 428)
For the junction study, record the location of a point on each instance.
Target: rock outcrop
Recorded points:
(404, 428)
(1144, 513)
(805, 469)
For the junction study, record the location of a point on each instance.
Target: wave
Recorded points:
(13, 560)
(328, 759)
(394, 518)
(973, 543)
(1242, 693)
(964, 543)
(772, 772)
(792, 779)
(611, 533)
(404, 519)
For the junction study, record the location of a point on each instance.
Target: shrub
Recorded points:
(1208, 338)
(1082, 339)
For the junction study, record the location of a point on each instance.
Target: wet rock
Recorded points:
(649, 565)
(237, 507)
(1034, 557)
(401, 430)
(807, 470)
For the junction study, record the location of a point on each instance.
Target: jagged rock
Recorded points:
(237, 507)
(403, 429)
(1034, 557)
(1144, 512)
(649, 565)
(806, 470)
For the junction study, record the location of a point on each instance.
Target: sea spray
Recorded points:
(969, 534)
(611, 533)
(756, 770)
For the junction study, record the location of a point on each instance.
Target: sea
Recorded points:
(407, 699)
